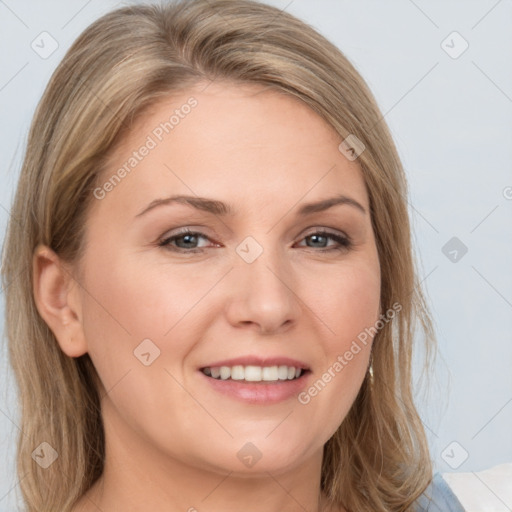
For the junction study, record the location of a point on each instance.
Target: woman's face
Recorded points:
(267, 280)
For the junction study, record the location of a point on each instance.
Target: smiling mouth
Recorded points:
(251, 373)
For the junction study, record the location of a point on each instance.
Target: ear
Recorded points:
(57, 298)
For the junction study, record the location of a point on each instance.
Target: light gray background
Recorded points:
(451, 119)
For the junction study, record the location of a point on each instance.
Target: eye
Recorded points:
(186, 241)
(320, 239)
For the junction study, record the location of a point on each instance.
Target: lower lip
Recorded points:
(259, 392)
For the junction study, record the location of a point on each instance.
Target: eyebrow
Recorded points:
(222, 209)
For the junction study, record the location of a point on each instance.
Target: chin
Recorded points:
(259, 455)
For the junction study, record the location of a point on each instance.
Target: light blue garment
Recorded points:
(438, 497)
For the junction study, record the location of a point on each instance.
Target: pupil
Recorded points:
(187, 239)
(317, 238)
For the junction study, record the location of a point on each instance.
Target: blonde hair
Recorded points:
(378, 459)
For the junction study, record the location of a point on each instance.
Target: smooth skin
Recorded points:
(171, 439)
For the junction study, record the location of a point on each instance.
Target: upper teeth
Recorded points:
(253, 373)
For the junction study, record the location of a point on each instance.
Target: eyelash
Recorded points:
(344, 242)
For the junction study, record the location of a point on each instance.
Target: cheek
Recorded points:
(127, 303)
(131, 301)
(347, 302)
(350, 310)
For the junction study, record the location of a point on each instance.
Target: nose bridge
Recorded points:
(263, 286)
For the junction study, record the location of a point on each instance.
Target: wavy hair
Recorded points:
(126, 61)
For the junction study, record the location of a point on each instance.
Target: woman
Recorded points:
(221, 297)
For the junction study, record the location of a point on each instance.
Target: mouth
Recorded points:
(254, 373)
(257, 380)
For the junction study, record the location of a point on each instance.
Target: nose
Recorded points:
(264, 294)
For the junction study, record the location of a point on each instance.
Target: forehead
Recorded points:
(226, 139)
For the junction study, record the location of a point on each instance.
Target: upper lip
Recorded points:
(259, 361)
